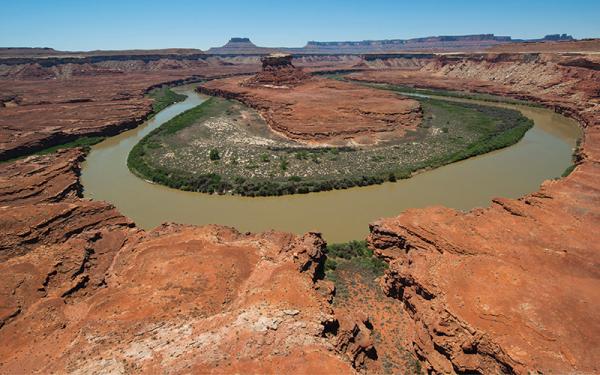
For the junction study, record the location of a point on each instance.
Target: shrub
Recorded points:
(283, 165)
(357, 252)
(301, 155)
(214, 154)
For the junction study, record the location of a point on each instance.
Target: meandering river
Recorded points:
(341, 215)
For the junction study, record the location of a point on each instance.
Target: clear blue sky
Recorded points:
(122, 24)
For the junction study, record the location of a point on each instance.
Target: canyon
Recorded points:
(510, 288)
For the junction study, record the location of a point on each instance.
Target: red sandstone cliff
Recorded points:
(317, 110)
(83, 290)
(512, 288)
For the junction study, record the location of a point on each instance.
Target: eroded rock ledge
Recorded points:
(515, 287)
(316, 110)
(83, 290)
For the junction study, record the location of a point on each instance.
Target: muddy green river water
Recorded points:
(341, 215)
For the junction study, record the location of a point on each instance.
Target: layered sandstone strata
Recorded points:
(317, 110)
(46, 106)
(82, 290)
(514, 287)
(277, 72)
(50, 101)
(39, 204)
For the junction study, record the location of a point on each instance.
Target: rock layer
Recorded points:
(324, 111)
(82, 290)
(514, 287)
(83, 101)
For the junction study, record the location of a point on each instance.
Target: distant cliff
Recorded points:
(434, 43)
(444, 43)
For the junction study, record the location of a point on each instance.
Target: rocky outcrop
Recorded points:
(514, 287)
(82, 290)
(62, 103)
(486, 289)
(277, 72)
(40, 205)
(323, 111)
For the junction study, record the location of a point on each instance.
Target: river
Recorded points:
(341, 215)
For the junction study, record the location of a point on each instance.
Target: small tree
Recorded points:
(214, 154)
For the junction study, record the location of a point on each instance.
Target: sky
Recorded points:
(145, 24)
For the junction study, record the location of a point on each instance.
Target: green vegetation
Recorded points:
(437, 92)
(214, 155)
(355, 257)
(568, 170)
(452, 94)
(357, 252)
(84, 142)
(354, 270)
(164, 97)
(254, 161)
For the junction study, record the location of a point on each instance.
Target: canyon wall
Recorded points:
(83, 290)
(514, 287)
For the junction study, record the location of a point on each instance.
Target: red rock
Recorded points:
(277, 71)
(320, 110)
(81, 289)
(515, 287)
(85, 100)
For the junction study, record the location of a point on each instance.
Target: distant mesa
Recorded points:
(426, 44)
(240, 40)
(443, 43)
(240, 46)
(556, 37)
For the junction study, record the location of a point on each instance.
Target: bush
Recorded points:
(283, 165)
(214, 154)
(164, 97)
(356, 252)
(302, 155)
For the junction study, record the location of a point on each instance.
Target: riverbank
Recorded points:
(341, 215)
(162, 97)
(224, 147)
